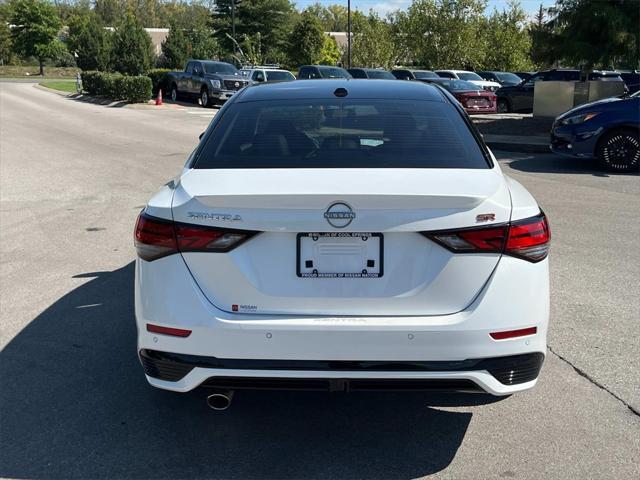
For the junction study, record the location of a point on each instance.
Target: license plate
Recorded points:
(478, 103)
(339, 255)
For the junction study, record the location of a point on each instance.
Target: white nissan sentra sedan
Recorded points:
(342, 235)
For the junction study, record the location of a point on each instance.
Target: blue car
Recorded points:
(607, 130)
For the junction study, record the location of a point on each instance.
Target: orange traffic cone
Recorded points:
(159, 98)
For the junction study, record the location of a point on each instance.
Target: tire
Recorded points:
(174, 92)
(503, 106)
(619, 150)
(204, 98)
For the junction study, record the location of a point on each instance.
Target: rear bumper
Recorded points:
(179, 371)
(516, 296)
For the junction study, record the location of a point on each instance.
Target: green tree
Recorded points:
(132, 47)
(541, 35)
(35, 30)
(6, 52)
(333, 18)
(273, 19)
(174, 48)
(330, 53)
(507, 40)
(90, 42)
(201, 43)
(182, 43)
(596, 33)
(373, 42)
(306, 41)
(444, 32)
(111, 12)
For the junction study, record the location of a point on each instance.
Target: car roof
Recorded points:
(321, 66)
(325, 88)
(266, 69)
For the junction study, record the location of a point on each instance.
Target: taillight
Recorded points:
(156, 238)
(527, 239)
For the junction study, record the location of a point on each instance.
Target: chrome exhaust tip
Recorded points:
(220, 400)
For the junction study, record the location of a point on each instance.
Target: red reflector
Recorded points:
(523, 332)
(174, 332)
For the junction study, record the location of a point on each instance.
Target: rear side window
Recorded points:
(334, 72)
(341, 133)
(357, 73)
(277, 76)
(446, 74)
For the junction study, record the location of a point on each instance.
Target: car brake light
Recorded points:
(514, 333)
(156, 238)
(527, 239)
(174, 332)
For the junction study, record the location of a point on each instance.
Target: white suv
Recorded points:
(267, 74)
(469, 77)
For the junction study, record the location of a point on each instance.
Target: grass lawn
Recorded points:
(62, 85)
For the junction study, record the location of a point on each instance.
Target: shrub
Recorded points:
(117, 86)
(90, 82)
(159, 79)
(135, 89)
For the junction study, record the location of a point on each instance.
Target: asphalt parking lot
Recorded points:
(74, 400)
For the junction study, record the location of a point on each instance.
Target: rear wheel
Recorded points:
(503, 106)
(619, 150)
(174, 93)
(204, 98)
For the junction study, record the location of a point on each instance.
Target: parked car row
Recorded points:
(213, 82)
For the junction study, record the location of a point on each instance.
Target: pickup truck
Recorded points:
(210, 82)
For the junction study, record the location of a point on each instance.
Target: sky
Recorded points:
(383, 7)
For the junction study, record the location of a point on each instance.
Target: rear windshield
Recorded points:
(277, 75)
(508, 77)
(224, 68)
(469, 76)
(458, 85)
(334, 72)
(341, 133)
(380, 74)
(422, 74)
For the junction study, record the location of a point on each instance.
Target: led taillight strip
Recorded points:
(527, 239)
(157, 237)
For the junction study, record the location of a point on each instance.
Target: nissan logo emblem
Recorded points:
(339, 215)
(237, 84)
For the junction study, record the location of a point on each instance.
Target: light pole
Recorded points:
(233, 24)
(348, 33)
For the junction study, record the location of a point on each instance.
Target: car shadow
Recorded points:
(104, 102)
(75, 404)
(559, 164)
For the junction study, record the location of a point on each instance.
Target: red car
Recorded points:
(473, 98)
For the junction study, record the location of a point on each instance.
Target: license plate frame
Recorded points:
(380, 258)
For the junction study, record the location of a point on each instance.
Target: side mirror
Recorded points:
(260, 78)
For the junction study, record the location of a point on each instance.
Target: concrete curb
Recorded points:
(518, 147)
